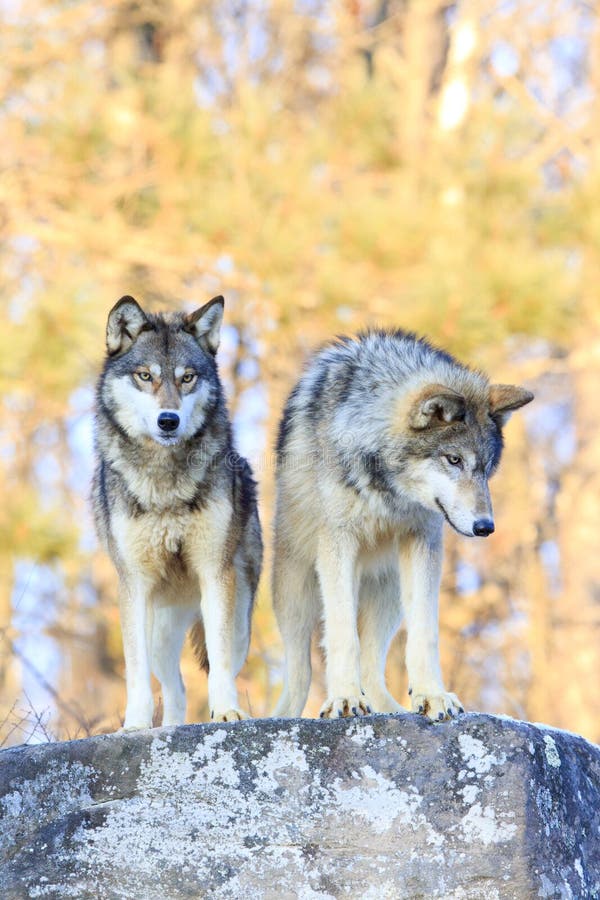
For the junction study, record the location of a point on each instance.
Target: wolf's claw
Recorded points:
(437, 707)
(345, 707)
(127, 729)
(228, 715)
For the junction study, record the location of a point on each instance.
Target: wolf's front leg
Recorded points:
(420, 573)
(136, 626)
(336, 568)
(217, 603)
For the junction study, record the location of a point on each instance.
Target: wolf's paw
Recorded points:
(135, 723)
(344, 707)
(386, 705)
(437, 707)
(228, 715)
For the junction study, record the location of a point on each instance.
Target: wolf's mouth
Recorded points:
(450, 522)
(167, 440)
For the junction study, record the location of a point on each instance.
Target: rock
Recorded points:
(373, 808)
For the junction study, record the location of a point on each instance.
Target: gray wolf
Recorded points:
(175, 506)
(382, 440)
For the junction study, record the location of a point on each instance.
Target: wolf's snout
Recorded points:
(483, 527)
(168, 421)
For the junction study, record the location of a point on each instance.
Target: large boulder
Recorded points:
(378, 807)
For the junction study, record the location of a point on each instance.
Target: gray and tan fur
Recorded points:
(382, 439)
(175, 506)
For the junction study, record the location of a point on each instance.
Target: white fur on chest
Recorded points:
(159, 489)
(151, 540)
(157, 479)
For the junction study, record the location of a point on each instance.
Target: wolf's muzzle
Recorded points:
(168, 421)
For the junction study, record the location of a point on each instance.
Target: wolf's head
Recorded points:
(454, 447)
(160, 378)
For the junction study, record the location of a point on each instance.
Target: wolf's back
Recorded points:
(348, 374)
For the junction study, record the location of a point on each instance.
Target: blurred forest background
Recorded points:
(326, 166)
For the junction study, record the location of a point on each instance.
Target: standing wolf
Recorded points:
(175, 506)
(382, 439)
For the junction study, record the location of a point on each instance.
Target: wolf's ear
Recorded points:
(506, 398)
(125, 322)
(205, 324)
(436, 405)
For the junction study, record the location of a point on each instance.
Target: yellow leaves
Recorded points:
(123, 119)
(293, 161)
(33, 533)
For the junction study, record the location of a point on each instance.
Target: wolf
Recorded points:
(175, 506)
(383, 439)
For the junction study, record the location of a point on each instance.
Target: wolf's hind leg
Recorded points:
(244, 593)
(379, 618)
(296, 604)
(168, 634)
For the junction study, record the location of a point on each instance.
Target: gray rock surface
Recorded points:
(373, 808)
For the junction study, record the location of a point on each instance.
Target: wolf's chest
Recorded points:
(162, 493)
(154, 540)
(165, 535)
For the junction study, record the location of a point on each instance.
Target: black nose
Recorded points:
(168, 421)
(483, 527)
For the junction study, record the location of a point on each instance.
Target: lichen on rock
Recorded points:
(382, 806)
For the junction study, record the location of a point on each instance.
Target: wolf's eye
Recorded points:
(454, 460)
(144, 376)
(188, 377)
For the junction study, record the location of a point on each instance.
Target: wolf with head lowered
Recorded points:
(382, 440)
(175, 506)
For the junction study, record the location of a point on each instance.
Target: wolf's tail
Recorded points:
(199, 645)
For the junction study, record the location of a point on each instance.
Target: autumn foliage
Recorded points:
(326, 166)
